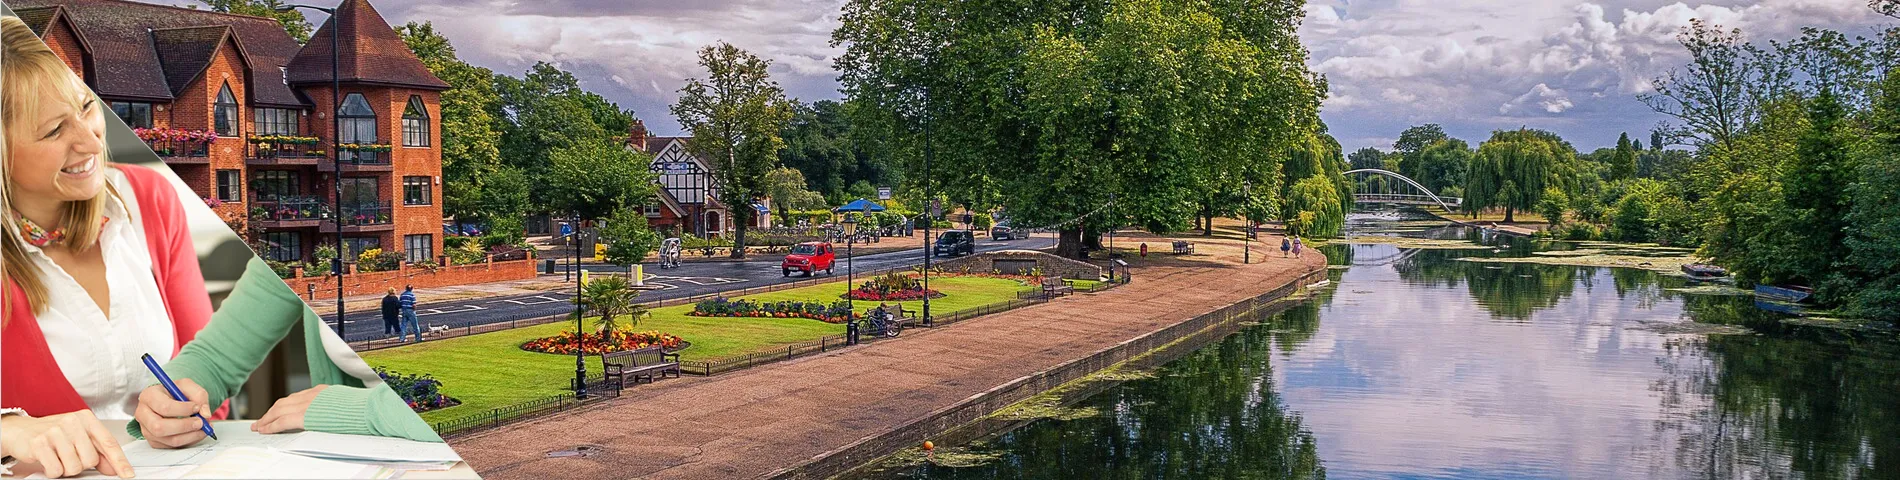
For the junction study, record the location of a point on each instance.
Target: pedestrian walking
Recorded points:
(1298, 246)
(1286, 245)
(409, 324)
(392, 313)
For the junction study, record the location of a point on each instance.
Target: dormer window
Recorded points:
(359, 121)
(224, 112)
(415, 123)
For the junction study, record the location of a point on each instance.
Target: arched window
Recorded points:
(358, 127)
(415, 123)
(224, 112)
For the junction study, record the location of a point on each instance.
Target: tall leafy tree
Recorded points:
(546, 110)
(594, 178)
(1412, 142)
(1172, 110)
(471, 154)
(292, 20)
(1441, 165)
(1511, 170)
(1623, 160)
(735, 114)
(786, 186)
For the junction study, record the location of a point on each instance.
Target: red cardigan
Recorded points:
(29, 377)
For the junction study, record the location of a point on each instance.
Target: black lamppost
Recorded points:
(1246, 239)
(336, 152)
(580, 360)
(850, 237)
(929, 217)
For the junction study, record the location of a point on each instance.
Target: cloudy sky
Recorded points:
(1570, 66)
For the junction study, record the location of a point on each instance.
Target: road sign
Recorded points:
(936, 208)
(567, 229)
(883, 193)
(676, 168)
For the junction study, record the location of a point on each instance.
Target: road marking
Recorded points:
(534, 300)
(437, 311)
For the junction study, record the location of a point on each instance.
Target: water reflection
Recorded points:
(1417, 365)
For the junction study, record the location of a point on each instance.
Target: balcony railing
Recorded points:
(364, 154)
(366, 214)
(289, 208)
(286, 149)
(181, 150)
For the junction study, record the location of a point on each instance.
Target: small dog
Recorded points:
(438, 330)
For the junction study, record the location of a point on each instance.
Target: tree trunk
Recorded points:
(741, 218)
(1092, 241)
(1206, 218)
(1507, 214)
(1069, 243)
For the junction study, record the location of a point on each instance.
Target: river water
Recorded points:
(1413, 364)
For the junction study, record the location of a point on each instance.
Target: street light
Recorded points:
(1246, 238)
(580, 361)
(336, 152)
(850, 237)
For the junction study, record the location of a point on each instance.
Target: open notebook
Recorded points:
(259, 463)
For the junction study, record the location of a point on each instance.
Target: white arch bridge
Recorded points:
(1425, 196)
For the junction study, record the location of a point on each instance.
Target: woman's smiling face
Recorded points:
(57, 152)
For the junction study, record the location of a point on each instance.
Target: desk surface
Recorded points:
(461, 470)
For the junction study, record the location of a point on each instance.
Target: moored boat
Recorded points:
(1703, 270)
(1783, 293)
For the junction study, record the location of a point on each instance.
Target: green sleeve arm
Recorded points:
(256, 315)
(374, 411)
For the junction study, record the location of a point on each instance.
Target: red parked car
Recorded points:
(809, 257)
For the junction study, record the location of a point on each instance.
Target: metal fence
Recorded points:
(597, 389)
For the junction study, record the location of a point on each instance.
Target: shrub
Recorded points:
(465, 255)
(454, 242)
(322, 257)
(836, 312)
(567, 343)
(422, 392)
(378, 260)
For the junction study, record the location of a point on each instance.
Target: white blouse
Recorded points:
(99, 353)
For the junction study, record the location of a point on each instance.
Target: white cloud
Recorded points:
(1570, 66)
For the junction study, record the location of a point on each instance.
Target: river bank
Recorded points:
(813, 417)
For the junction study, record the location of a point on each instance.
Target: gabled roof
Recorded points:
(185, 53)
(124, 60)
(671, 203)
(38, 17)
(372, 54)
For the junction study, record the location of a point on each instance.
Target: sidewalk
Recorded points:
(758, 421)
(369, 304)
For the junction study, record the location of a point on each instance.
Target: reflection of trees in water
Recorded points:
(1642, 286)
(1211, 414)
(1792, 401)
(1507, 290)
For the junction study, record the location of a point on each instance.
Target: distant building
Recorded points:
(261, 104)
(687, 201)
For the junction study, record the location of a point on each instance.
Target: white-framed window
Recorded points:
(419, 248)
(274, 121)
(415, 123)
(224, 112)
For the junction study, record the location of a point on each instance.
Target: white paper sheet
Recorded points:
(368, 449)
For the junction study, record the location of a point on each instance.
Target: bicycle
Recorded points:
(882, 323)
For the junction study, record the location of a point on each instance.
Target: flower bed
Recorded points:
(892, 287)
(568, 343)
(422, 392)
(835, 312)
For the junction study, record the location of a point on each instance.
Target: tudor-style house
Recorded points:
(687, 201)
(243, 115)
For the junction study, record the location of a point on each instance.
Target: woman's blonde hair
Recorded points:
(28, 69)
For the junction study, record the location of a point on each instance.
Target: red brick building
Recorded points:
(243, 115)
(687, 200)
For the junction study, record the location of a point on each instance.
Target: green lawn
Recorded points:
(491, 370)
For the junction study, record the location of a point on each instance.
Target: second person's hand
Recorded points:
(168, 423)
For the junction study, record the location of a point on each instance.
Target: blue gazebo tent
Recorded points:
(859, 205)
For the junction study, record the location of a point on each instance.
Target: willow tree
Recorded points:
(1512, 169)
(1053, 110)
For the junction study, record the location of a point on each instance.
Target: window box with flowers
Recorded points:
(273, 146)
(364, 153)
(177, 142)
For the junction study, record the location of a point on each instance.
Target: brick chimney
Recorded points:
(637, 135)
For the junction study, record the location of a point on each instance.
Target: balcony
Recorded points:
(267, 150)
(364, 217)
(181, 152)
(179, 146)
(361, 158)
(289, 211)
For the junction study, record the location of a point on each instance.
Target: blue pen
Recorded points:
(172, 388)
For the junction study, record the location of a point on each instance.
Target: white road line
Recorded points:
(437, 311)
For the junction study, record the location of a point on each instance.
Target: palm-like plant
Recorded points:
(611, 297)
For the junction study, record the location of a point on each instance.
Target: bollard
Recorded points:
(639, 276)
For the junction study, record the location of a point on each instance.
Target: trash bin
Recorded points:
(548, 266)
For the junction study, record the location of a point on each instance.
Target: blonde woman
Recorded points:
(99, 269)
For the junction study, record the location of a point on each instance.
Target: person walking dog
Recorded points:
(409, 324)
(392, 313)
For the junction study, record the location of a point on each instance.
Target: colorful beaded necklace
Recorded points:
(38, 236)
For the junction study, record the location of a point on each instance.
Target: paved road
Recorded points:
(693, 278)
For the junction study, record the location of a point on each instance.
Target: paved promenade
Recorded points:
(756, 421)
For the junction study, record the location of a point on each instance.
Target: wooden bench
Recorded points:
(1055, 286)
(640, 363)
(1182, 247)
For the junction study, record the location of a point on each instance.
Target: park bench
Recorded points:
(640, 363)
(897, 311)
(1055, 286)
(1183, 247)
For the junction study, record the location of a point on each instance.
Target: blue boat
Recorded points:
(1783, 293)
